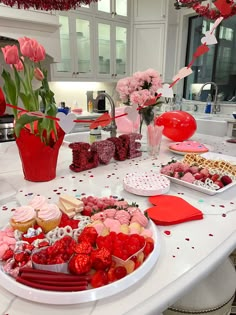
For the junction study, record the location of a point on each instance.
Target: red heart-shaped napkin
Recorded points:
(170, 210)
(102, 121)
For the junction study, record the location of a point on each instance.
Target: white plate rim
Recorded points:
(69, 298)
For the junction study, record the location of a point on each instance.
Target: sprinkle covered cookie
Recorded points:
(189, 147)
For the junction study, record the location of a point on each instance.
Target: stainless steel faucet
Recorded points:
(215, 107)
(112, 127)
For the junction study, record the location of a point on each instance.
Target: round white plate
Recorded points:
(146, 183)
(210, 148)
(68, 298)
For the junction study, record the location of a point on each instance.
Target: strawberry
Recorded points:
(219, 183)
(120, 272)
(148, 248)
(198, 176)
(226, 180)
(8, 254)
(88, 234)
(99, 279)
(215, 177)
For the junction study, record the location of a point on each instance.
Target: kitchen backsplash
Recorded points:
(74, 93)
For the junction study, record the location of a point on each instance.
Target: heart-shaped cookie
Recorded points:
(170, 210)
(66, 122)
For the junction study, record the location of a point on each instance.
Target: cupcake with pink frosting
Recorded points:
(37, 202)
(23, 218)
(48, 217)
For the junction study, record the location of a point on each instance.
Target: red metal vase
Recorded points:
(39, 161)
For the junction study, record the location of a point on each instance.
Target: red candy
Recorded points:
(101, 259)
(79, 264)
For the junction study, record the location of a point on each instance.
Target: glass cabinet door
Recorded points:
(65, 66)
(113, 7)
(104, 48)
(105, 6)
(121, 50)
(83, 52)
(121, 7)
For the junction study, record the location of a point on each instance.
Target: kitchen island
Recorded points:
(188, 251)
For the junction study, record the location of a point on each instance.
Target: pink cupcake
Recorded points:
(48, 217)
(37, 202)
(23, 218)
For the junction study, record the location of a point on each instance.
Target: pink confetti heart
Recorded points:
(184, 72)
(66, 122)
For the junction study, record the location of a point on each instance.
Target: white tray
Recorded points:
(200, 188)
(68, 298)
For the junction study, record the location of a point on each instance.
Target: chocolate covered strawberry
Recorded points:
(226, 180)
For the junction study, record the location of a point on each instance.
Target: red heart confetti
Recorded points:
(172, 210)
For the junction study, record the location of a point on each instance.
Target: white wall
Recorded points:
(75, 92)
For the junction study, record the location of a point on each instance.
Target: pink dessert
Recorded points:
(189, 147)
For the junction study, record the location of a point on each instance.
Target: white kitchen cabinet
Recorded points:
(115, 9)
(112, 41)
(149, 47)
(150, 10)
(76, 38)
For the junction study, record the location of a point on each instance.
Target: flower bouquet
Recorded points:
(141, 89)
(37, 133)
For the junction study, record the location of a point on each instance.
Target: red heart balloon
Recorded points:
(170, 210)
(2, 103)
(178, 125)
(102, 121)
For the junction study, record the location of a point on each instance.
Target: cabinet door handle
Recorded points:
(116, 75)
(77, 73)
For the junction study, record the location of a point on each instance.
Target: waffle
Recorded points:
(221, 165)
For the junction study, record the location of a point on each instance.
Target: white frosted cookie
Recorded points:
(146, 184)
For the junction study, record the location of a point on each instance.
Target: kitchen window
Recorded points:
(218, 64)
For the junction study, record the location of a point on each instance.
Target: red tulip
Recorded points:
(11, 54)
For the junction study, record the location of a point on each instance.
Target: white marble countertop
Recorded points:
(192, 250)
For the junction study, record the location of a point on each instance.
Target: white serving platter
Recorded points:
(200, 188)
(69, 298)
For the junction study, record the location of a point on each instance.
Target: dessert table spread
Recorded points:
(188, 251)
